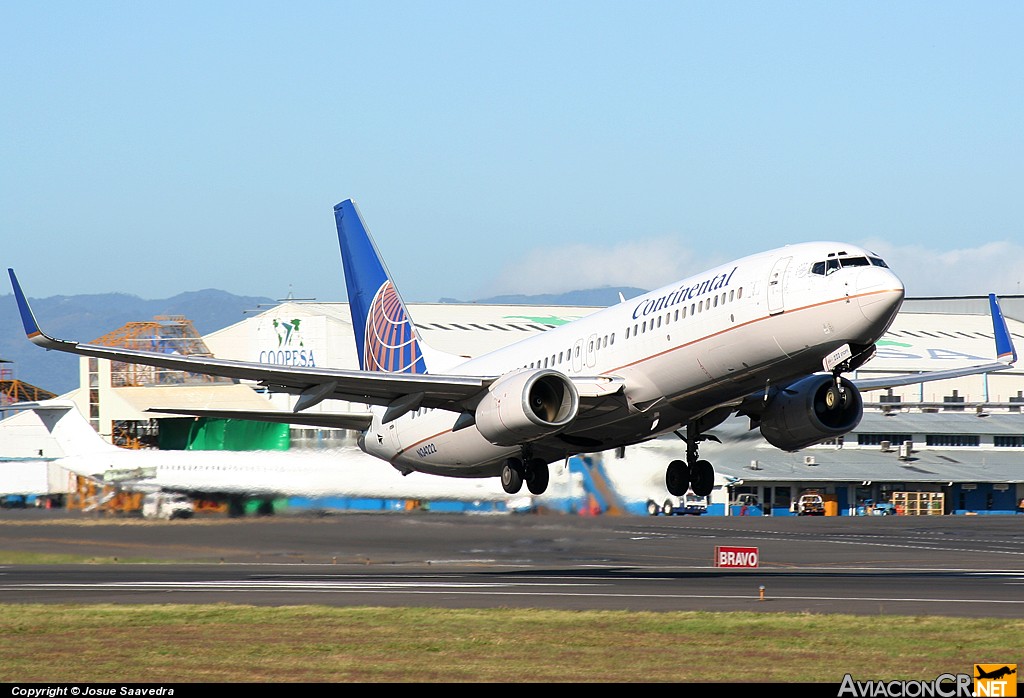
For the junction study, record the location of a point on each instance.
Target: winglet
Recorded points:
(32, 331)
(27, 318)
(1005, 350)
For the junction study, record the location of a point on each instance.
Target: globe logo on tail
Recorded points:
(391, 344)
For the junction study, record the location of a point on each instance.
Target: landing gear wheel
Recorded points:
(512, 476)
(652, 508)
(677, 478)
(702, 478)
(835, 398)
(537, 476)
(667, 508)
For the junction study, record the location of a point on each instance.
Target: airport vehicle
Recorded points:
(768, 336)
(872, 508)
(167, 505)
(811, 503)
(690, 504)
(884, 509)
(746, 504)
(234, 477)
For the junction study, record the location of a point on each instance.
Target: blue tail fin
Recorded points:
(386, 339)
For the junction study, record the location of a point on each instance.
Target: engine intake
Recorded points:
(811, 411)
(526, 406)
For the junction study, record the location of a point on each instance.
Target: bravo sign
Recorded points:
(732, 556)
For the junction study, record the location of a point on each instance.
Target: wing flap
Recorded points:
(357, 421)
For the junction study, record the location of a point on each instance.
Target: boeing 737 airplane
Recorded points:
(767, 336)
(232, 476)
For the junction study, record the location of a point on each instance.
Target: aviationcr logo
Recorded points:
(995, 680)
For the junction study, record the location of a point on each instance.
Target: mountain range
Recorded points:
(87, 317)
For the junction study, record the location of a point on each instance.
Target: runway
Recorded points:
(953, 566)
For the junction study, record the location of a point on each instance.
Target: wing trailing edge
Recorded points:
(357, 421)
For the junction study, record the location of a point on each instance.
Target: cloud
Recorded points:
(646, 264)
(993, 267)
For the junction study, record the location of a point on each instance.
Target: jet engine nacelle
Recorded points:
(810, 411)
(525, 406)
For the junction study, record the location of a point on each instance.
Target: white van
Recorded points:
(164, 505)
(689, 503)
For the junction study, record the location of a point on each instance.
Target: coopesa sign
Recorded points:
(732, 556)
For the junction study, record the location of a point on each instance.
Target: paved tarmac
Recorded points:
(954, 566)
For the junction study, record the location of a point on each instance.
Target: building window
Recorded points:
(894, 440)
(1009, 441)
(953, 440)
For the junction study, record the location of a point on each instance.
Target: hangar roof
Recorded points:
(846, 465)
(467, 329)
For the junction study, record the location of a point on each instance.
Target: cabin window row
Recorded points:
(593, 345)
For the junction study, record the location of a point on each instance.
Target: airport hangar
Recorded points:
(954, 446)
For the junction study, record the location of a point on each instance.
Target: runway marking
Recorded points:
(855, 539)
(469, 590)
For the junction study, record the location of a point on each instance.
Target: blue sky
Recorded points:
(496, 147)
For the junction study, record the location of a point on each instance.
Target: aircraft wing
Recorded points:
(314, 384)
(401, 392)
(1006, 356)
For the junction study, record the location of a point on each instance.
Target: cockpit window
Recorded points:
(836, 262)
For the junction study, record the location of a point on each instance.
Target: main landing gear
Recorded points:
(695, 474)
(837, 396)
(533, 471)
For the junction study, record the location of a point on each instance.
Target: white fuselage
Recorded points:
(271, 474)
(681, 350)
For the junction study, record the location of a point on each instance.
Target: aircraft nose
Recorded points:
(880, 293)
